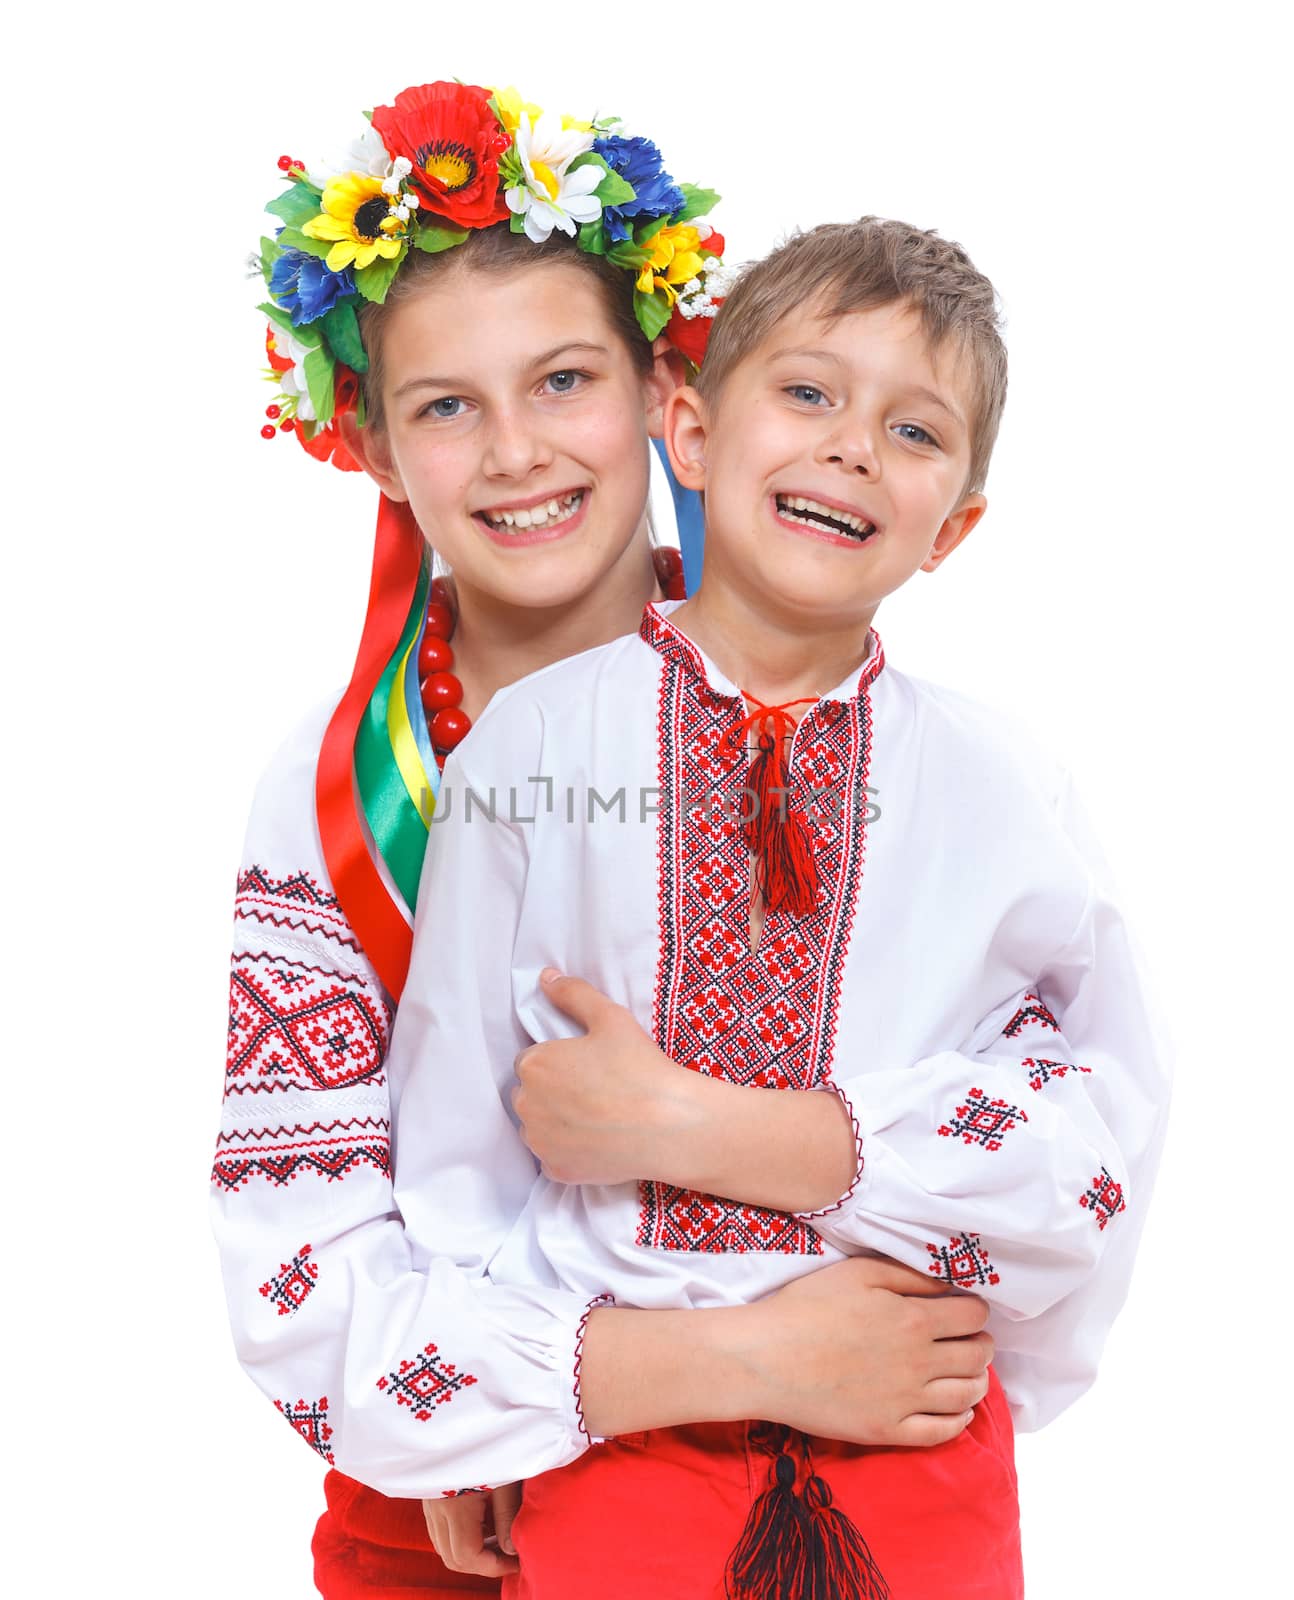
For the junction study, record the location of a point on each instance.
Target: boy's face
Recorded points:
(858, 418)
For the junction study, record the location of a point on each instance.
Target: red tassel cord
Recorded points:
(780, 839)
(798, 1546)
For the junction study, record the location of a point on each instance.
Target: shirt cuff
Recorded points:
(599, 1300)
(826, 1211)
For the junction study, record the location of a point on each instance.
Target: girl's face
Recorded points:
(517, 427)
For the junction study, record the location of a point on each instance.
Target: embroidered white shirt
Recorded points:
(965, 982)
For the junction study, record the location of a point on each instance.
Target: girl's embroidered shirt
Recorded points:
(965, 983)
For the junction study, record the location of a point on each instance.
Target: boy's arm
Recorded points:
(1014, 1169)
(1011, 1168)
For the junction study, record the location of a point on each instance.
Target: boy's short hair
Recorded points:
(853, 266)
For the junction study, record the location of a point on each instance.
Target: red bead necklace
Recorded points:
(442, 689)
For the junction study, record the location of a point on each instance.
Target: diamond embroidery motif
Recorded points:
(982, 1121)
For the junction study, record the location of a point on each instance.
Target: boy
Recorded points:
(798, 869)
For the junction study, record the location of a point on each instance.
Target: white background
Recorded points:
(179, 592)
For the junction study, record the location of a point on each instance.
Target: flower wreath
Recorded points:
(443, 159)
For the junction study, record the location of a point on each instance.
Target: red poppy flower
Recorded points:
(690, 335)
(328, 443)
(453, 139)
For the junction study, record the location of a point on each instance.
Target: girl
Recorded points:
(483, 308)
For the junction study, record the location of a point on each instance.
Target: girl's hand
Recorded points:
(456, 1528)
(602, 1108)
(865, 1350)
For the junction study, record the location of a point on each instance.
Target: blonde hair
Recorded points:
(853, 266)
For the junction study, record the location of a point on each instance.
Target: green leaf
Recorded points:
(319, 367)
(294, 239)
(628, 254)
(341, 329)
(435, 237)
(590, 158)
(614, 190)
(278, 317)
(297, 204)
(653, 312)
(375, 279)
(696, 203)
(593, 238)
(649, 230)
(271, 250)
(517, 222)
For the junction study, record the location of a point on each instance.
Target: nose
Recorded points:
(515, 448)
(850, 446)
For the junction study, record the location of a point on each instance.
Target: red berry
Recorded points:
(286, 427)
(449, 727)
(440, 621)
(268, 431)
(274, 412)
(440, 691)
(441, 592)
(434, 655)
(669, 561)
(285, 163)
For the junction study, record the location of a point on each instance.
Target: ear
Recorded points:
(685, 436)
(954, 529)
(372, 449)
(668, 372)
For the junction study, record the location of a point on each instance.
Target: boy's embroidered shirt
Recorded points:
(965, 983)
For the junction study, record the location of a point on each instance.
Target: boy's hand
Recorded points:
(456, 1528)
(600, 1108)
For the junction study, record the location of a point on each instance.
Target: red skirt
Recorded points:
(660, 1513)
(367, 1547)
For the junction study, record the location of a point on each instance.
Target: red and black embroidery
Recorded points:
(982, 1121)
(1041, 1071)
(332, 1150)
(1103, 1198)
(963, 1262)
(297, 903)
(310, 1419)
(292, 1283)
(294, 1026)
(425, 1382)
(1032, 1010)
(768, 1018)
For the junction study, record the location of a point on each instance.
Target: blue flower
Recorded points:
(305, 288)
(638, 162)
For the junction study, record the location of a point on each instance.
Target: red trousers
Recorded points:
(655, 1516)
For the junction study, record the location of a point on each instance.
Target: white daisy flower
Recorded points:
(553, 196)
(366, 155)
(293, 381)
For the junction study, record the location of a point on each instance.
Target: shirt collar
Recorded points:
(673, 644)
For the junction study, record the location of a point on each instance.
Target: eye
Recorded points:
(913, 433)
(565, 381)
(806, 394)
(447, 406)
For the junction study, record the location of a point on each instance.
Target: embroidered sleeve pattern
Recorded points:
(368, 1352)
(1020, 1169)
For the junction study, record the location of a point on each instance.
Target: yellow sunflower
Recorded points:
(357, 216)
(675, 258)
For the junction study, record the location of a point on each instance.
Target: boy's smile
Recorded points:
(834, 463)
